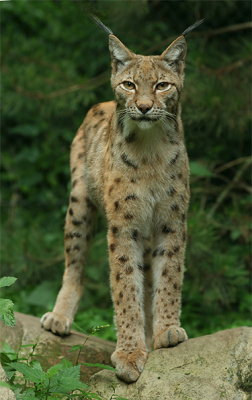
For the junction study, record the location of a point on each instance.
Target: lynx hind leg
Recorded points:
(79, 228)
(148, 294)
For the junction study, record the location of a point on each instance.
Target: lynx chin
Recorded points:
(129, 160)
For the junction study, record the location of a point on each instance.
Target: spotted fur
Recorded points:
(129, 160)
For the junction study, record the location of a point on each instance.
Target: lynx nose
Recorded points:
(144, 108)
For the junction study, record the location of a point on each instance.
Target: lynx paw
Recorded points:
(56, 323)
(170, 337)
(129, 365)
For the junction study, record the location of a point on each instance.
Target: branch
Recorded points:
(228, 188)
(227, 69)
(231, 164)
(90, 84)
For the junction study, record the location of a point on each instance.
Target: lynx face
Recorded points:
(147, 89)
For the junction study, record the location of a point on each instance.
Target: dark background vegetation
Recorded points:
(55, 66)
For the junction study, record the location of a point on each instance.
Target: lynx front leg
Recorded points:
(126, 264)
(79, 227)
(168, 261)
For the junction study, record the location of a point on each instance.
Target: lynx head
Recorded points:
(147, 88)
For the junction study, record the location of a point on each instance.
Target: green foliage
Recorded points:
(59, 381)
(55, 65)
(6, 305)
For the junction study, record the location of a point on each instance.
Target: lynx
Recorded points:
(129, 160)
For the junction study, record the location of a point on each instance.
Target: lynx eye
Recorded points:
(163, 86)
(128, 85)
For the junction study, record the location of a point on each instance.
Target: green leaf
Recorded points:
(36, 364)
(6, 314)
(66, 363)
(198, 169)
(67, 380)
(76, 347)
(9, 351)
(98, 365)
(7, 281)
(32, 374)
(54, 370)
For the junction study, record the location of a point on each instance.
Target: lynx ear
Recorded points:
(120, 55)
(175, 54)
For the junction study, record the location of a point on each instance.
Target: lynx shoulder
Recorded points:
(129, 160)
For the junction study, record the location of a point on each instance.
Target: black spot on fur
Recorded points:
(70, 211)
(112, 247)
(164, 272)
(76, 247)
(123, 258)
(173, 161)
(80, 155)
(171, 191)
(176, 249)
(128, 216)
(158, 252)
(131, 197)
(128, 162)
(166, 229)
(74, 183)
(116, 204)
(74, 199)
(175, 286)
(117, 180)
(174, 207)
(118, 276)
(77, 222)
(68, 249)
(73, 170)
(134, 234)
(114, 230)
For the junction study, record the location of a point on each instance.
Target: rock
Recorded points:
(51, 349)
(211, 367)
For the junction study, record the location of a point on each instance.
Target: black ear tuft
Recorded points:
(101, 25)
(190, 28)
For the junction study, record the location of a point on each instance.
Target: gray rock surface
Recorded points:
(211, 367)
